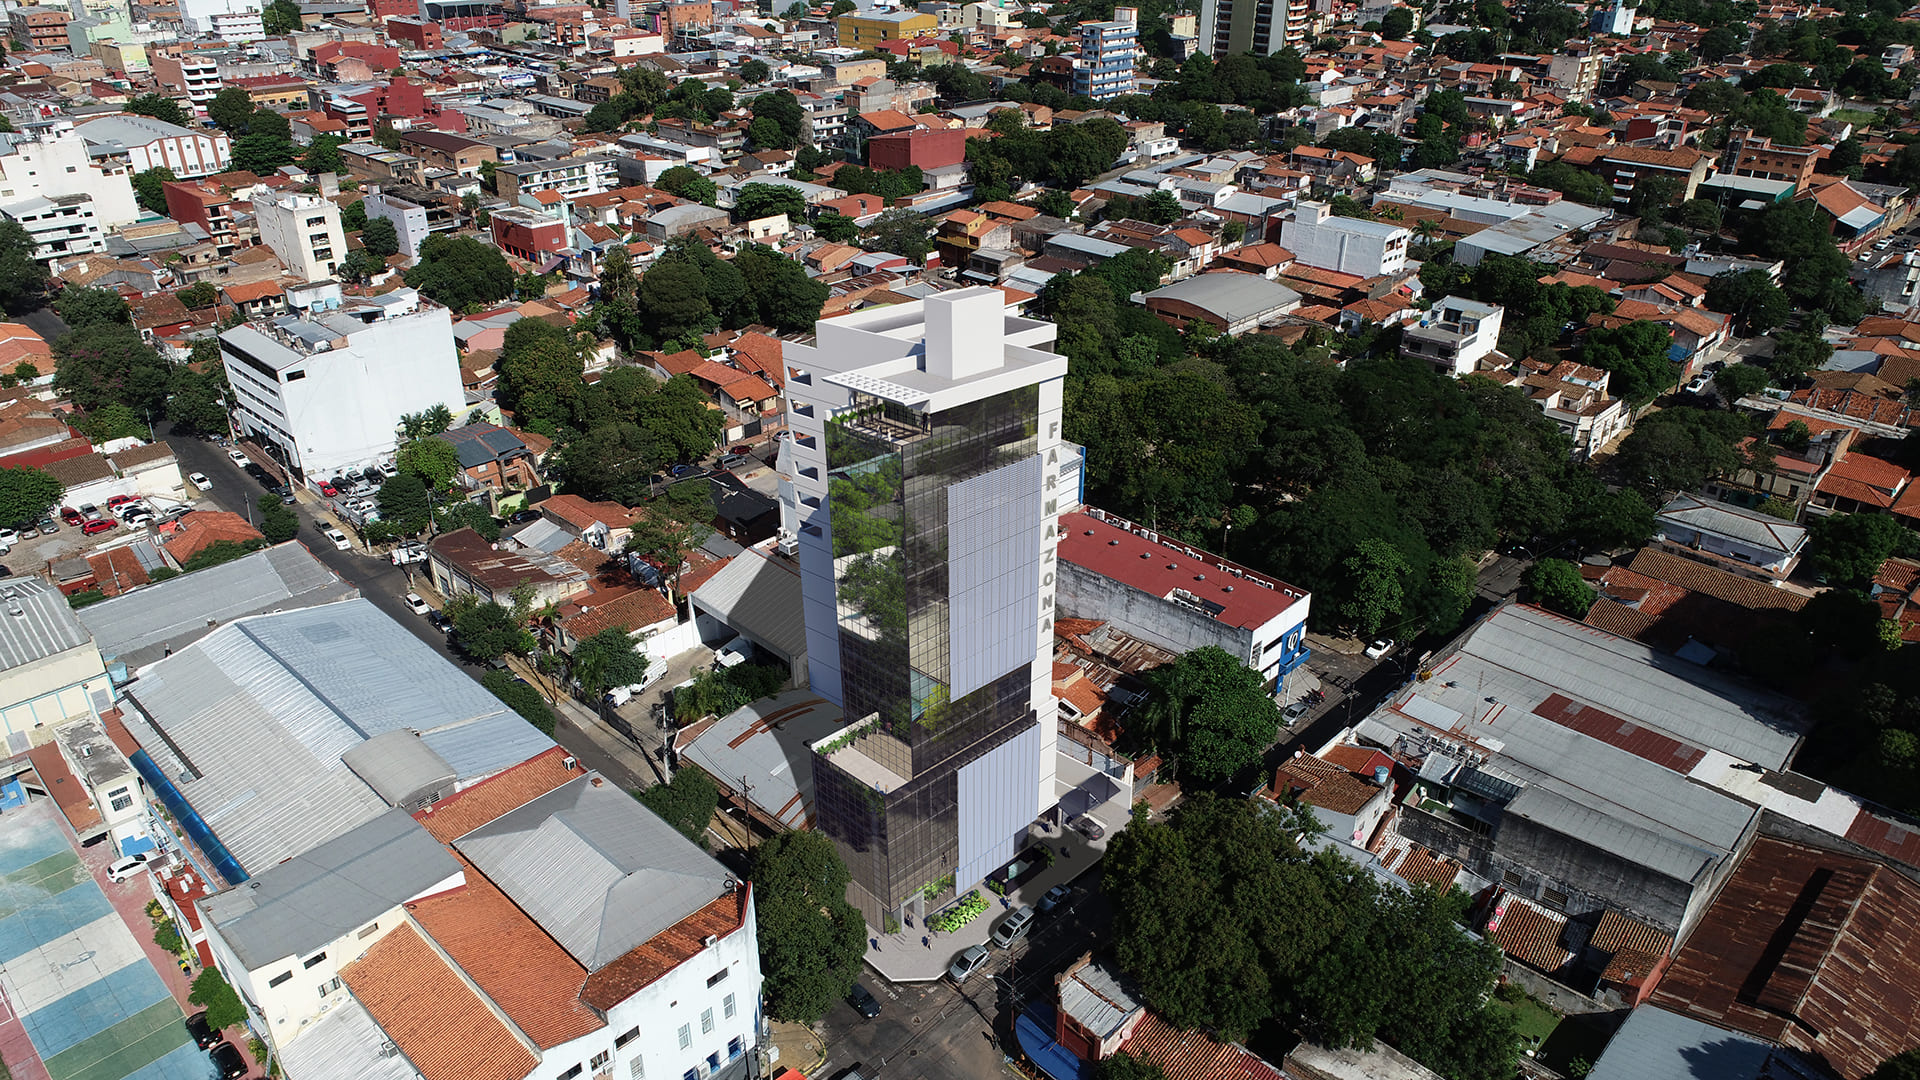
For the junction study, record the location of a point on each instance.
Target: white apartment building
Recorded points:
(304, 230)
(58, 164)
(1455, 335)
(145, 143)
(1349, 245)
(231, 20)
(409, 219)
(61, 225)
(327, 392)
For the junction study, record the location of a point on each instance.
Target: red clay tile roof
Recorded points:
(201, 528)
(1719, 584)
(1529, 934)
(466, 810)
(533, 980)
(1864, 479)
(431, 1014)
(1422, 867)
(630, 612)
(1617, 932)
(1630, 967)
(641, 965)
(258, 290)
(1324, 785)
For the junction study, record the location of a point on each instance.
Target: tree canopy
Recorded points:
(460, 271)
(1212, 712)
(811, 940)
(26, 494)
(23, 278)
(608, 659)
(687, 802)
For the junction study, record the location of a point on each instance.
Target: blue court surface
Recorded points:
(73, 972)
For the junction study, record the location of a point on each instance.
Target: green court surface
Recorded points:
(123, 1049)
(29, 885)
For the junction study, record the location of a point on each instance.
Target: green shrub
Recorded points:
(167, 936)
(211, 992)
(521, 698)
(686, 804)
(85, 597)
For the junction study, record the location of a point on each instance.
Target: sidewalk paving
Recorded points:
(796, 1046)
(917, 954)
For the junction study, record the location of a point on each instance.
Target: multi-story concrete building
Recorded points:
(188, 73)
(145, 143)
(925, 467)
(570, 176)
(1318, 237)
(50, 671)
(304, 230)
(40, 27)
(1748, 154)
(56, 166)
(1256, 26)
(1108, 53)
(864, 30)
(528, 234)
(410, 219)
(59, 225)
(326, 393)
(1455, 336)
(233, 20)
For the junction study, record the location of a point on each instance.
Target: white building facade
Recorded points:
(232, 20)
(328, 392)
(409, 219)
(146, 143)
(304, 230)
(1349, 245)
(57, 164)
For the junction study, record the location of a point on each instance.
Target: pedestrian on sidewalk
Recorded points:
(927, 941)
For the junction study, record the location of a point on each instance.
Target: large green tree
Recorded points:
(108, 363)
(487, 631)
(608, 659)
(403, 504)
(23, 278)
(460, 272)
(148, 190)
(1557, 584)
(1213, 712)
(81, 307)
(676, 522)
(278, 522)
(160, 107)
(26, 494)
(434, 461)
(811, 940)
(540, 367)
(687, 802)
(1847, 549)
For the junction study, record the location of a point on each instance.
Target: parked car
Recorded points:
(47, 525)
(204, 1036)
(90, 512)
(286, 494)
(1295, 711)
(863, 1002)
(328, 490)
(237, 455)
(733, 653)
(200, 481)
(735, 461)
(1699, 383)
(126, 868)
(126, 508)
(970, 960)
(1380, 648)
(389, 470)
(74, 517)
(227, 1062)
(439, 621)
(137, 517)
(620, 695)
(416, 605)
(119, 501)
(680, 471)
(409, 553)
(373, 476)
(522, 517)
(339, 538)
(1013, 927)
(95, 526)
(8, 538)
(1088, 827)
(1056, 896)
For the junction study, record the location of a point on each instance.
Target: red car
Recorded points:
(71, 516)
(327, 489)
(121, 500)
(93, 527)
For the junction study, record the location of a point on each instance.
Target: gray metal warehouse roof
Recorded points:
(1655, 1044)
(598, 871)
(1230, 294)
(346, 1044)
(138, 627)
(768, 743)
(760, 598)
(252, 722)
(35, 623)
(293, 909)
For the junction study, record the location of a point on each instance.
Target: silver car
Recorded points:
(1014, 927)
(970, 960)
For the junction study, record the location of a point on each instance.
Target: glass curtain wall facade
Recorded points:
(887, 790)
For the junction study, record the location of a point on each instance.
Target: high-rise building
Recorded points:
(925, 463)
(1108, 52)
(1255, 26)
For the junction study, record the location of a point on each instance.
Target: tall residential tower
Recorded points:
(926, 461)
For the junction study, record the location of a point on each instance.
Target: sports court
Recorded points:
(71, 971)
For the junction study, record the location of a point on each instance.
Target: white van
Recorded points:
(620, 695)
(734, 653)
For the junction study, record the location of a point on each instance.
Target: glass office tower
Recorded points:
(924, 438)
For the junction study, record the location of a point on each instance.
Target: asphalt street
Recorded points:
(378, 579)
(942, 1032)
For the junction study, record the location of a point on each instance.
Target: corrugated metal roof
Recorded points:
(1094, 998)
(760, 598)
(401, 769)
(543, 536)
(345, 1044)
(252, 722)
(769, 744)
(35, 623)
(1645, 846)
(597, 870)
(1655, 1044)
(137, 627)
(297, 907)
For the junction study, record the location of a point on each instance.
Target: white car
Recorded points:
(339, 538)
(1379, 648)
(9, 537)
(409, 553)
(200, 481)
(126, 868)
(733, 653)
(238, 456)
(417, 605)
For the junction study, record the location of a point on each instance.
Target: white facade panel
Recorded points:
(995, 802)
(993, 570)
